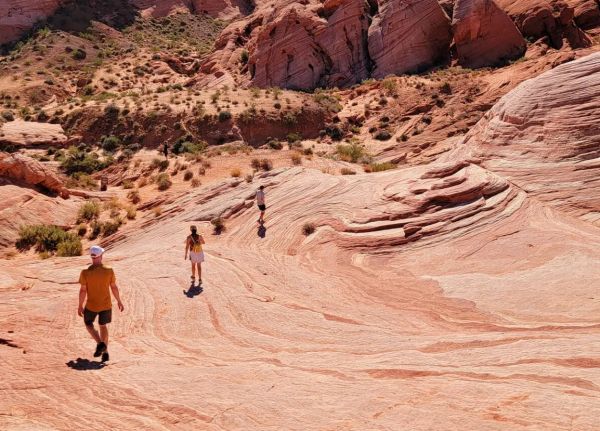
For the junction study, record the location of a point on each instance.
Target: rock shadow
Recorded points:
(262, 230)
(193, 291)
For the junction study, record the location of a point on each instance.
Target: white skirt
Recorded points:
(197, 256)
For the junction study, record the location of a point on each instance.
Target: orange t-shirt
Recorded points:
(97, 279)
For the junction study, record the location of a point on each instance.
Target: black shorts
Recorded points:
(105, 316)
(262, 207)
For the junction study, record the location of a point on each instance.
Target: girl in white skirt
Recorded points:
(193, 244)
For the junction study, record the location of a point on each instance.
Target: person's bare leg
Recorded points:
(104, 334)
(93, 332)
(199, 272)
(262, 216)
(193, 270)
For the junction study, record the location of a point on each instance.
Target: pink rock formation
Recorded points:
(29, 134)
(298, 49)
(18, 16)
(544, 137)
(408, 36)
(23, 169)
(587, 13)
(544, 18)
(224, 9)
(484, 34)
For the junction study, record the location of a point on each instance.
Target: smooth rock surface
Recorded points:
(484, 34)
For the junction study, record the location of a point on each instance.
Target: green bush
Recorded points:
(110, 227)
(224, 116)
(69, 247)
(46, 238)
(96, 228)
(383, 135)
(379, 167)
(79, 54)
(88, 211)
(350, 153)
(80, 161)
(294, 137)
(244, 56)
(110, 143)
(163, 182)
(8, 115)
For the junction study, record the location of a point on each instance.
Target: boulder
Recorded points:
(408, 36)
(30, 134)
(484, 34)
(18, 16)
(22, 169)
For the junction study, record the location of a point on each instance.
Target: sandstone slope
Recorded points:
(444, 296)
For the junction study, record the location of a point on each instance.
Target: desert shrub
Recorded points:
(134, 196)
(81, 161)
(110, 227)
(79, 54)
(244, 56)
(111, 110)
(379, 167)
(294, 137)
(275, 144)
(404, 137)
(296, 159)
(218, 225)
(81, 181)
(446, 88)
(334, 132)
(383, 135)
(195, 182)
(8, 115)
(81, 229)
(266, 165)
(71, 246)
(96, 229)
(308, 229)
(110, 143)
(127, 184)
(163, 182)
(352, 152)
(327, 100)
(426, 119)
(188, 175)
(45, 238)
(131, 212)
(88, 211)
(201, 171)
(347, 171)
(248, 178)
(157, 211)
(236, 173)
(224, 116)
(255, 164)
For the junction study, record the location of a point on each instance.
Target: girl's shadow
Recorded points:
(193, 291)
(262, 230)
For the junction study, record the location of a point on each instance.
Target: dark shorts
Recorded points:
(262, 207)
(104, 316)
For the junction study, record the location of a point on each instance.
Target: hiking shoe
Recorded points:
(105, 357)
(100, 348)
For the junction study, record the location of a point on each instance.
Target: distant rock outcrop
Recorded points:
(408, 36)
(21, 133)
(543, 18)
(18, 16)
(23, 169)
(484, 34)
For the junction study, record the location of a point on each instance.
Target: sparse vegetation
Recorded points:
(134, 196)
(218, 225)
(188, 175)
(352, 152)
(48, 238)
(88, 211)
(347, 171)
(236, 173)
(163, 181)
(379, 167)
(296, 159)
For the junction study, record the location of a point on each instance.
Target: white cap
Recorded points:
(96, 251)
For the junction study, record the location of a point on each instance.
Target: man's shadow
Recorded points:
(262, 230)
(81, 364)
(193, 291)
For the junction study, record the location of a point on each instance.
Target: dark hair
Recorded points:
(261, 187)
(194, 231)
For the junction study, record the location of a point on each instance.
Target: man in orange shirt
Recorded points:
(95, 282)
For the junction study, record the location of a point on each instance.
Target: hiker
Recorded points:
(166, 150)
(193, 244)
(95, 282)
(260, 200)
